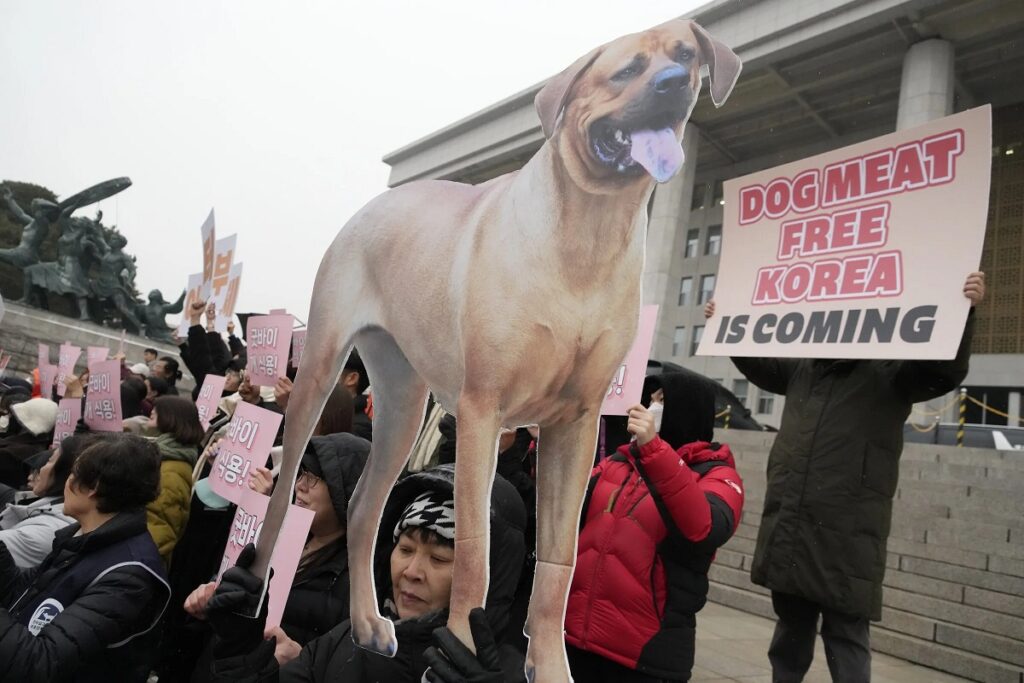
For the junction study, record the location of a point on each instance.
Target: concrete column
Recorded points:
(926, 88)
(1014, 410)
(666, 232)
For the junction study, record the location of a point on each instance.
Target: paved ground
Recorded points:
(732, 646)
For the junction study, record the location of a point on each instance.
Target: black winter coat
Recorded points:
(834, 468)
(335, 658)
(102, 634)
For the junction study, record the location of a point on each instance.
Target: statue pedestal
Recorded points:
(23, 329)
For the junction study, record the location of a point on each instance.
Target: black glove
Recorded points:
(230, 610)
(452, 662)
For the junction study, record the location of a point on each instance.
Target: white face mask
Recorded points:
(5, 422)
(657, 410)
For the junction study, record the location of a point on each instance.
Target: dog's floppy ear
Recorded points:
(723, 65)
(552, 98)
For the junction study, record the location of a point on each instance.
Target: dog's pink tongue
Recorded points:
(658, 151)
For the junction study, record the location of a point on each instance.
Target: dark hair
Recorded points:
(70, 449)
(133, 390)
(123, 470)
(178, 416)
(172, 368)
(355, 364)
(425, 535)
(337, 414)
(158, 384)
(152, 351)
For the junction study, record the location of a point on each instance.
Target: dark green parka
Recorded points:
(834, 468)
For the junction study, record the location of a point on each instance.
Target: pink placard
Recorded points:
(267, 339)
(96, 354)
(68, 414)
(298, 346)
(209, 397)
(47, 377)
(44, 356)
(278, 311)
(245, 529)
(860, 252)
(628, 382)
(103, 400)
(68, 358)
(193, 293)
(245, 447)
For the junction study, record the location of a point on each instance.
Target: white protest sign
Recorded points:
(861, 252)
(209, 236)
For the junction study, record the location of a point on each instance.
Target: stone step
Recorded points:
(737, 578)
(740, 599)
(982, 580)
(944, 658)
(976, 618)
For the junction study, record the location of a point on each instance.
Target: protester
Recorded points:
(832, 474)
(413, 567)
(84, 612)
(140, 370)
(167, 369)
(355, 380)
(176, 421)
(319, 598)
(133, 392)
(149, 356)
(655, 513)
(27, 528)
(29, 431)
(155, 388)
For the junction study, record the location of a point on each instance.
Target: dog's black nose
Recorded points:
(670, 79)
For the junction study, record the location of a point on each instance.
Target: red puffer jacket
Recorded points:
(652, 521)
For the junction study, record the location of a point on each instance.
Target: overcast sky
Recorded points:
(275, 113)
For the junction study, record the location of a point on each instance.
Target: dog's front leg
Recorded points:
(476, 457)
(565, 458)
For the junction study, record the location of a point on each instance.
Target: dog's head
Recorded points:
(617, 114)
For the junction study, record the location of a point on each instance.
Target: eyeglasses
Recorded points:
(307, 480)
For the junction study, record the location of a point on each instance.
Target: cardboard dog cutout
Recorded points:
(514, 302)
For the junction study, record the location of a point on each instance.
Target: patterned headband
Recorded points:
(430, 510)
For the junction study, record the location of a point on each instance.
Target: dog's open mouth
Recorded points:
(631, 151)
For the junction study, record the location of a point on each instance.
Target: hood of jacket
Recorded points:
(52, 506)
(689, 406)
(171, 449)
(508, 544)
(38, 415)
(701, 451)
(339, 460)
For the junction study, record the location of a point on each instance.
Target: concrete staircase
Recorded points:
(954, 588)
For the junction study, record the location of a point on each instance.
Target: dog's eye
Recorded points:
(685, 54)
(626, 73)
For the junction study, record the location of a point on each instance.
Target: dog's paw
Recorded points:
(549, 667)
(376, 634)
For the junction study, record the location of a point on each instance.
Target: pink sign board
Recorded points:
(209, 397)
(267, 339)
(44, 356)
(628, 382)
(103, 399)
(861, 252)
(95, 354)
(245, 447)
(245, 529)
(298, 346)
(68, 358)
(47, 378)
(68, 414)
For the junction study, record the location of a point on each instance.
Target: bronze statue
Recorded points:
(152, 315)
(37, 225)
(115, 281)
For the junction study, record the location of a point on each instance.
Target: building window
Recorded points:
(713, 242)
(765, 402)
(698, 332)
(700, 195)
(718, 194)
(685, 290)
(741, 388)
(707, 288)
(692, 243)
(678, 339)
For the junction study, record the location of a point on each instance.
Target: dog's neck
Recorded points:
(613, 234)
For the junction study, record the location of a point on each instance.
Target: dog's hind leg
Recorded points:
(564, 460)
(399, 400)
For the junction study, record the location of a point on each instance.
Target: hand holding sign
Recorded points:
(628, 382)
(268, 338)
(246, 446)
(103, 402)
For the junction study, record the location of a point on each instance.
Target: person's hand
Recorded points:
(641, 424)
(195, 603)
(119, 356)
(195, 312)
(452, 662)
(248, 392)
(287, 649)
(709, 308)
(230, 609)
(231, 327)
(262, 481)
(974, 288)
(73, 387)
(282, 390)
(211, 316)
(7, 194)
